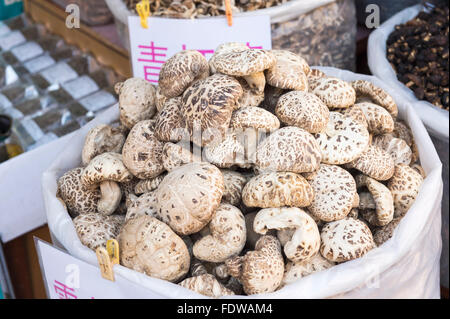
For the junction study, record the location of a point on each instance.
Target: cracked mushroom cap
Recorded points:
(142, 205)
(383, 234)
(260, 270)
(382, 198)
(180, 71)
(288, 149)
(399, 150)
(254, 117)
(234, 182)
(404, 186)
(78, 198)
(334, 193)
(151, 247)
(188, 197)
(175, 155)
(356, 113)
(160, 99)
(249, 97)
(226, 153)
(101, 139)
(305, 241)
(376, 94)
(379, 121)
(206, 285)
(277, 189)
(227, 235)
(296, 270)
(345, 239)
(207, 105)
(304, 110)
(148, 185)
(289, 72)
(142, 151)
(170, 125)
(334, 92)
(375, 163)
(136, 101)
(94, 230)
(226, 48)
(343, 140)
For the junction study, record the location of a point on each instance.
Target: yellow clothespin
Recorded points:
(107, 258)
(143, 9)
(228, 12)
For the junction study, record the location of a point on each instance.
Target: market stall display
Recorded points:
(378, 183)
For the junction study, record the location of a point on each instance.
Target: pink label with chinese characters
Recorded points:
(151, 47)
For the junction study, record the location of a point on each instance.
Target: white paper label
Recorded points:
(11, 39)
(80, 87)
(27, 51)
(59, 73)
(39, 63)
(151, 47)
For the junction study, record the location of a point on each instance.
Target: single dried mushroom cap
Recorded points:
(304, 110)
(305, 241)
(100, 139)
(227, 235)
(374, 162)
(289, 149)
(377, 95)
(254, 117)
(356, 113)
(207, 105)
(296, 270)
(188, 197)
(343, 139)
(175, 155)
(345, 239)
(404, 186)
(226, 153)
(401, 130)
(170, 125)
(142, 205)
(226, 48)
(334, 193)
(399, 150)
(260, 270)
(136, 101)
(289, 72)
(378, 119)
(142, 151)
(207, 285)
(383, 234)
(334, 92)
(180, 71)
(151, 247)
(234, 182)
(94, 230)
(277, 189)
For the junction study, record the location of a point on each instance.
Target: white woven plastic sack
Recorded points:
(406, 266)
(436, 120)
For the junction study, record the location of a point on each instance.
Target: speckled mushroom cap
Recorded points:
(94, 230)
(376, 94)
(226, 48)
(402, 131)
(79, 198)
(142, 151)
(382, 197)
(100, 139)
(404, 186)
(208, 104)
(304, 110)
(334, 92)
(249, 97)
(289, 149)
(289, 72)
(175, 155)
(151, 247)
(148, 185)
(383, 234)
(334, 193)
(296, 270)
(105, 167)
(206, 285)
(180, 71)
(375, 163)
(277, 189)
(234, 182)
(170, 125)
(136, 101)
(345, 239)
(188, 197)
(305, 241)
(356, 113)
(399, 150)
(160, 99)
(254, 117)
(378, 119)
(226, 153)
(343, 140)
(142, 205)
(227, 235)
(260, 270)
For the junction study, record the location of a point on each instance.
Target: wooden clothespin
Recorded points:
(143, 9)
(228, 12)
(107, 258)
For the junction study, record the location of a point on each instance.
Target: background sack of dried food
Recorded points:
(322, 31)
(91, 12)
(407, 266)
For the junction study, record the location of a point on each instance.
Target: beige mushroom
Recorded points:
(254, 117)
(234, 182)
(175, 155)
(297, 270)
(142, 205)
(277, 189)
(383, 234)
(180, 71)
(398, 149)
(148, 185)
(206, 285)
(305, 241)
(345, 239)
(226, 48)
(375, 163)
(252, 236)
(136, 101)
(356, 113)
(401, 130)
(334, 92)
(226, 153)
(170, 125)
(249, 97)
(160, 99)
(379, 120)
(376, 94)
(289, 72)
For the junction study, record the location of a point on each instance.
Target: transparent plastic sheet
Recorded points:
(91, 12)
(406, 266)
(322, 31)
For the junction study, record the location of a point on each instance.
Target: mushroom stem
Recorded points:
(110, 198)
(256, 81)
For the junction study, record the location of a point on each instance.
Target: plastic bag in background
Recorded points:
(406, 266)
(91, 12)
